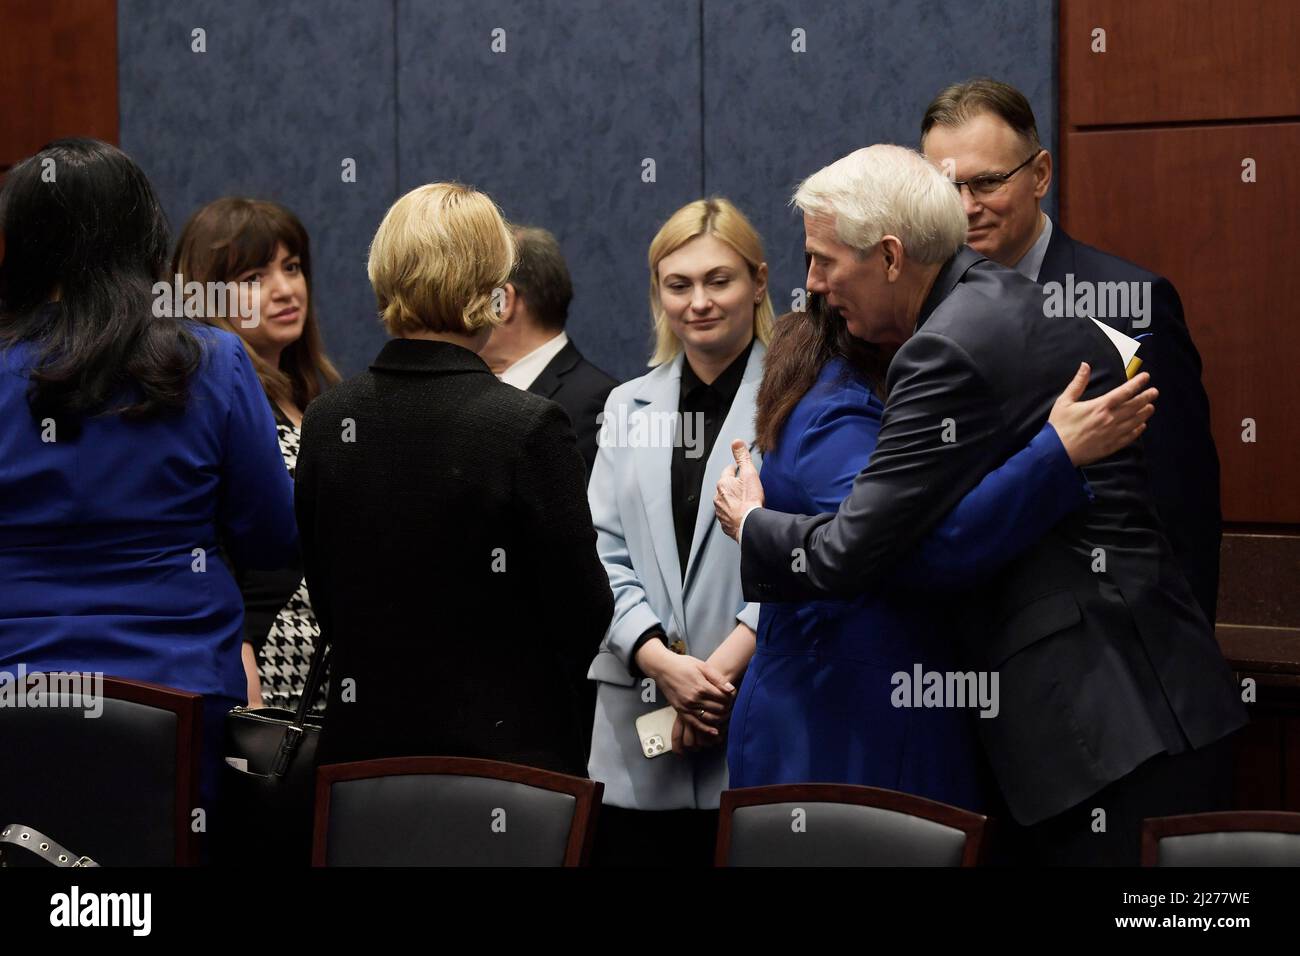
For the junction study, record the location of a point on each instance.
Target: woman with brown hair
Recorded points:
(263, 247)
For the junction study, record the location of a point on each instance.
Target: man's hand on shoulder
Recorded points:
(739, 491)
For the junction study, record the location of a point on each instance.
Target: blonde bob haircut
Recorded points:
(886, 190)
(438, 255)
(715, 217)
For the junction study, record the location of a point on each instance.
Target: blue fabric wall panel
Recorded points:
(555, 129)
(284, 93)
(773, 116)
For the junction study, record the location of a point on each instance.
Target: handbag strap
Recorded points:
(294, 733)
(37, 842)
(315, 674)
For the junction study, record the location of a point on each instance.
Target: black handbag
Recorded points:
(269, 778)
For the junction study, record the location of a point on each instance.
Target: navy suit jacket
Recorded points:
(1182, 462)
(580, 389)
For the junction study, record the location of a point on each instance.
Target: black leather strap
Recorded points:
(319, 655)
(294, 733)
(37, 842)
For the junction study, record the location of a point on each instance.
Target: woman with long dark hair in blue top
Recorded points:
(135, 446)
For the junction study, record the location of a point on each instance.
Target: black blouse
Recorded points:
(708, 404)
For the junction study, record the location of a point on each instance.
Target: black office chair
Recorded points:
(451, 811)
(821, 824)
(1232, 838)
(119, 787)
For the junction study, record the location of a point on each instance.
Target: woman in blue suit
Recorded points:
(135, 446)
(828, 696)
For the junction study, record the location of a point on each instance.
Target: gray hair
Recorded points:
(887, 190)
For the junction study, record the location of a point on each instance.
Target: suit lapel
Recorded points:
(548, 382)
(738, 423)
(1059, 258)
(657, 399)
(1059, 262)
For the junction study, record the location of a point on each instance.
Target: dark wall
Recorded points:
(556, 128)
(773, 116)
(284, 93)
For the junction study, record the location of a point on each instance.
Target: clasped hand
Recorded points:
(698, 691)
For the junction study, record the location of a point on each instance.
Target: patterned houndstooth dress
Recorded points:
(284, 657)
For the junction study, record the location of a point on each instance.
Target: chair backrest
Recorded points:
(451, 811)
(843, 825)
(1233, 838)
(118, 786)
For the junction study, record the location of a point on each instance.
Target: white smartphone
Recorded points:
(656, 732)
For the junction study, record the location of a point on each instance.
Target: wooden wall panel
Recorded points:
(1180, 60)
(1153, 135)
(1173, 200)
(58, 73)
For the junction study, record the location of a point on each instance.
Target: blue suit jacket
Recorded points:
(111, 544)
(632, 508)
(817, 702)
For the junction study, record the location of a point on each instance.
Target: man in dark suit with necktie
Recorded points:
(530, 349)
(1115, 698)
(984, 129)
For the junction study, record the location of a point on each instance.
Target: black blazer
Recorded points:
(1182, 462)
(580, 389)
(1104, 657)
(452, 563)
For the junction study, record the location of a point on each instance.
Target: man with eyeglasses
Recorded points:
(983, 134)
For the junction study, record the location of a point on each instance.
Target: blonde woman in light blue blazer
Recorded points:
(678, 638)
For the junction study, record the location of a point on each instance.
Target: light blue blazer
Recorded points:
(631, 505)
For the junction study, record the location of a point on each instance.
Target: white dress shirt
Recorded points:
(525, 371)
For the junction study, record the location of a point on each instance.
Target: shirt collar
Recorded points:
(725, 385)
(1031, 263)
(524, 372)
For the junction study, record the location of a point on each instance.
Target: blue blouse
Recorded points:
(817, 702)
(111, 544)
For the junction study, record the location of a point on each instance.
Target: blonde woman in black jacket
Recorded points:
(447, 540)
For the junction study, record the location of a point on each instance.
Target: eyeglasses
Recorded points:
(990, 183)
